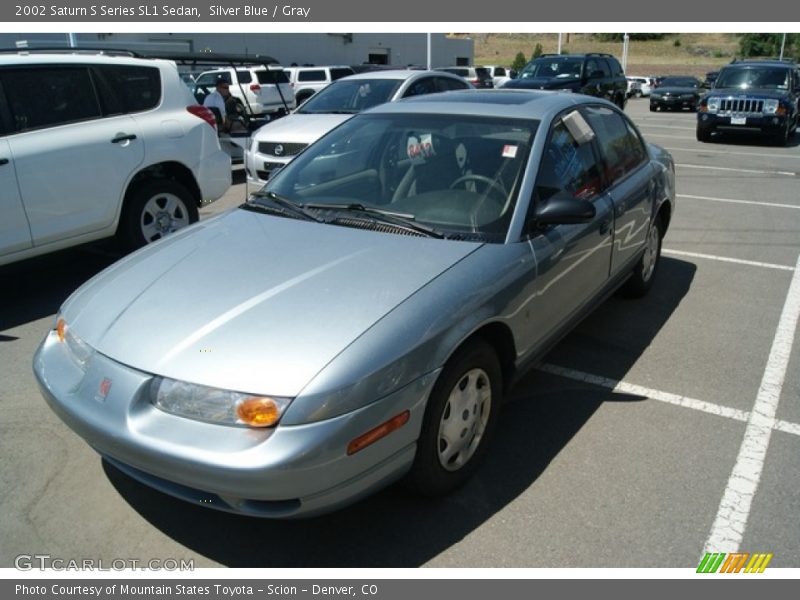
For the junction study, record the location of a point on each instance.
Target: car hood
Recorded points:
(750, 93)
(252, 302)
(675, 90)
(299, 128)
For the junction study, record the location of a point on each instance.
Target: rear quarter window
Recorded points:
(136, 89)
(339, 73)
(622, 149)
(315, 75)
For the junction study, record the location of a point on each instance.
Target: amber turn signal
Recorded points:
(381, 431)
(61, 329)
(258, 412)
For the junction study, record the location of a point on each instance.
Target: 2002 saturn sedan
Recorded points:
(360, 317)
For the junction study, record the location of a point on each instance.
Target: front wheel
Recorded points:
(459, 420)
(154, 209)
(703, 134)
(644, 273)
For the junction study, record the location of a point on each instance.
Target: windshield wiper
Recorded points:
(283, 205)
(403, 220)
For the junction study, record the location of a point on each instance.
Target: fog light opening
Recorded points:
(381, 431)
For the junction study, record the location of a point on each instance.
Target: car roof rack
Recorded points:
(776, 59)
(68, 50)
(183, 58)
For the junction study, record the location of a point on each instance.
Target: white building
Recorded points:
(399, 49)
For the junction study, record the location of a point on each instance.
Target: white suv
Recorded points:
(263, 90)
(307, 81)
(93, 146)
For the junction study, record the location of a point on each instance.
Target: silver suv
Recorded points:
(93, 146)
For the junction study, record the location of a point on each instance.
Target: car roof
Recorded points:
(522, 104)
(764, 62)
(402, 74)
(38, 58)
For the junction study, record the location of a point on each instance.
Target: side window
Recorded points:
(341, 72)
(446, 84)
(209, 80)
(604, 67)
(420, 87)
(567, 166)
(137, 88)
(41, 97)
(5, 119)
(243, 76)
(620, 146)
(499, 72)
(315, 75)
(616, 69)
(592, 65)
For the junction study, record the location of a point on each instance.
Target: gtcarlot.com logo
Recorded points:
(736, 562)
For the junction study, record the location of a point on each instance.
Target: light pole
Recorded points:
(783, 45)
(625, 41)
(559, 43)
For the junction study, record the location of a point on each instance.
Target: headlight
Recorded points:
(771, 106)
(214, 405)
(712, 105)
(79, 351)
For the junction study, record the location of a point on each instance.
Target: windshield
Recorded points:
(351, 96)
(687, 82)
(457, 175)
(558, 67)
(758, 77)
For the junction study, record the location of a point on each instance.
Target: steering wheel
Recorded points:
(492, 185)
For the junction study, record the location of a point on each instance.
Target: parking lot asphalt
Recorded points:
(658, 429)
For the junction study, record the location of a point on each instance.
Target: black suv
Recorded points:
(756, 96)
(593, 74)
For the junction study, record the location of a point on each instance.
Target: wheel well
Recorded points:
(499, 337)
(169, 170)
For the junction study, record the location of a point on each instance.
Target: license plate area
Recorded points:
(738, 120)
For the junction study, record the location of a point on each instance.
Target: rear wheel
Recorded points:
(460, 419)
(154, 209)
(644, 272)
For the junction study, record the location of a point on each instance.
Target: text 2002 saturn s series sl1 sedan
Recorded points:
(360, 317)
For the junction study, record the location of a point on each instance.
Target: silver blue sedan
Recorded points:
(360, 318)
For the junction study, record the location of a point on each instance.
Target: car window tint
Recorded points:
(446, 84)
(567, 166)
(621, 148)
(616, 68)
(137, 88)
(243, 76)
(341, 72)
(315, 75)
(210, 79)
(499, 72)
(43, 97)
(422, 86)
(272, 76)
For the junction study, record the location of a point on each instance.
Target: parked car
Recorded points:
(593, 74)
(307, 81)
(499, 74)
(639, 86)
(277, 143)
(480, 77)
(430, 251)
(263, 90)
(94, 146)
(677, 93)
(760, 97)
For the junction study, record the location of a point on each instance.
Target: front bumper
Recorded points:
(286, 471)
(674, 102)
(259, 166)
(767, 124)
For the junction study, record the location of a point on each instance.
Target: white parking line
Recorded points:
(666, 397)
(729, 525)
(749, 154)
(674, 137)
(710, 168)
(644, 126)
(730, 200)
(739, 261)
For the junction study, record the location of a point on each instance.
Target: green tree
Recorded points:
(519, 62)
(769, 44)
(537, 51)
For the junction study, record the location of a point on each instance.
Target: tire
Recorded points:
(703, 134)
(302, 98)
(652, 108)
(644, 273)
(154, 209)
(782, 138)
(464, 405)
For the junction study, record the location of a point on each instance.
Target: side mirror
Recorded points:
(563, 209)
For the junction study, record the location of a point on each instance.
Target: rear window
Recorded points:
(483, 73)
(459, 72)
(315, 75)
(341, 72)
(135, 88)
(272, 76)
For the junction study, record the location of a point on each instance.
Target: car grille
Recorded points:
(742, 105)
(287, 149)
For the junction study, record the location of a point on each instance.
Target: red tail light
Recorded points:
(254, 87)
(204, 113)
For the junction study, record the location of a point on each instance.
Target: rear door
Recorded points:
(74, 151)
(15, 234)
(629, 177)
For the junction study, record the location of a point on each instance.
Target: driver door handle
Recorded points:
(123, 138)
(3, 161)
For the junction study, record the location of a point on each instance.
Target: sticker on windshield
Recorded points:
(509, 151)
(418, 149)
